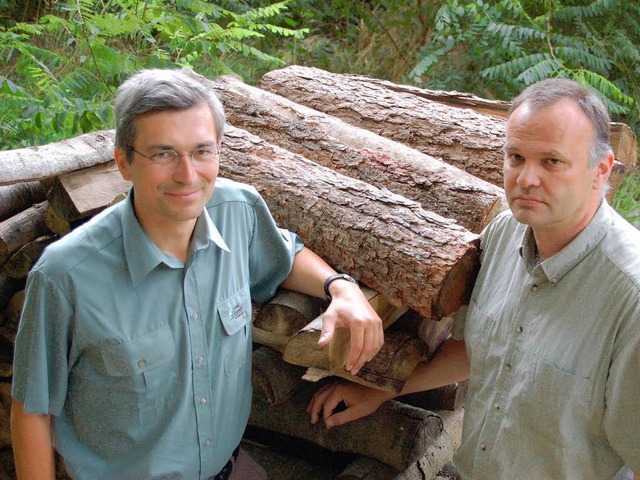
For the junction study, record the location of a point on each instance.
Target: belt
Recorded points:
(226, 470)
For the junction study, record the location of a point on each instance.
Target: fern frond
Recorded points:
(544, 69)
(515, 67)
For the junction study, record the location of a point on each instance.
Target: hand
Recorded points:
(359, 400)
(350, 309)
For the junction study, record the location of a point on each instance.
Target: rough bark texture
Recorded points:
(402, 433)
(20, 263)
(18, 197)
(37, 163)
(460, 137)
(464, 130)
(21, 229)
(361, 154)
(413, 257)
(274, 380)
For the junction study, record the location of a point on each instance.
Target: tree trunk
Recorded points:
(402, 433)
(462, 129)
(413, 257)
(274, 380)
(20, 263)
(361, 154)
(37, 163)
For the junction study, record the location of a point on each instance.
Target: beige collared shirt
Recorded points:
(555, 355)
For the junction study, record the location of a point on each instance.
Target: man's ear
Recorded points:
(602, 171)
(120, 156)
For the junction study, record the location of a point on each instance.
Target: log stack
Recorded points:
(388, 183)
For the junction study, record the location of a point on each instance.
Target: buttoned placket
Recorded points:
(521, 322)
(200, 368)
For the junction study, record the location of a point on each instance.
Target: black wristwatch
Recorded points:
(332, 278)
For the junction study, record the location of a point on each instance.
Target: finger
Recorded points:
(355, 359)
(317, 402)
(328, 327)
(345, 416)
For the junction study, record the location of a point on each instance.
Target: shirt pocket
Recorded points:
(478, 330)
(141, 358)
(563, 401)
(235, 315)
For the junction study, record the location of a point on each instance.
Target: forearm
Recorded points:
(32, 444)
(449, 365)
(308, 274)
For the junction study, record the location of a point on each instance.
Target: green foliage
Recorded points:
(497, 48)
(59, 72)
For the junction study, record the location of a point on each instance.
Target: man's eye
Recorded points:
(164, 155)
(553, 161)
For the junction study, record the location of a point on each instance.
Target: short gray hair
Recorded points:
(551, 90)
(158, 90)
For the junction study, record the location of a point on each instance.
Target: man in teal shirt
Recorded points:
(551, 339)
(133, 355)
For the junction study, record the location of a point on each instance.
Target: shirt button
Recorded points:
(200, 358)
(207, 442)
(496, 406)
(142, 363)
(194, 315)
(554, 281)
(483, 446)
(203, 400)
(507, 367)
(534, 288)
(519, 329)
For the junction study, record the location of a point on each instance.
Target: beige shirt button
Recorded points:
(507, 367)
(207, 442)
(203, 401)
(142, 363)
(483, 446)
(519, 329)
(534, 288)
(200, 358)
(554, 281)
(194, 315)
(496, 406)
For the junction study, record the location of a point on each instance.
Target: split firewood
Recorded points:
(284, 315)
(434, 124)
(436, 457)
(37, 163)
(83, 193)
(360, 154)
(22, 228)
(18, 197)
(20, 263)
(391, 244)
(274, 380)
(402, 433)
(12, 312)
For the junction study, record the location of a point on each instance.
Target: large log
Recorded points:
(402, 433)
(37, 163)
(470, 138)
(361, 154)
(413, 257)
(20, 263)
(274, 380)
(22, 228)
(18, 197)
(435, 458)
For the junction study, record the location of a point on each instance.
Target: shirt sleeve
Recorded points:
(271, 253)
(40, 365)
(622, 408)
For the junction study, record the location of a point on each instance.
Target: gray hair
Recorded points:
(551, 90)
(158, 90)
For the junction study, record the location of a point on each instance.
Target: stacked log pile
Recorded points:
(388, 183)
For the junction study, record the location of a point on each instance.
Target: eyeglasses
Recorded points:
(165, 158)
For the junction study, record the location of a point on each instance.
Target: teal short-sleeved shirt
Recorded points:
(554, 350)
(142, 360)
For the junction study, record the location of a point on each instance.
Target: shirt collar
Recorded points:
(143, 255)
(563, 262)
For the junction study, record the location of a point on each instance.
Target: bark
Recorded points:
(464, 130)
(274, 380)
(18, 197)
(361, 154)
(434, 459)
(402, 433)
(83, 193)
(413, 257)
(460, 137)
(8, 286)
(37, 163)
(21, 229)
